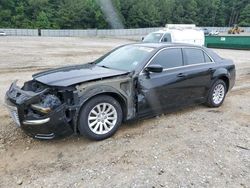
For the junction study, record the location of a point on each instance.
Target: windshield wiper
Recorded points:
(104, 66)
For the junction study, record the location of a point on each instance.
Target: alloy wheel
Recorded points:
(102, 118)
(218, 94)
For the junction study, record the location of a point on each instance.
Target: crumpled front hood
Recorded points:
(66, 76)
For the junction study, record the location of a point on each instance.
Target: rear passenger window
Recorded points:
(207, 58)
(169, 58)
(193, 56)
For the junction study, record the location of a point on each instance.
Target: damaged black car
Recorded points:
(130, 82)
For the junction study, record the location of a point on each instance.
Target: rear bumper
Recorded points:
(52, 125)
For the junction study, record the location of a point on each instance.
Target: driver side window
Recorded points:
(166, 38)
(168, 58)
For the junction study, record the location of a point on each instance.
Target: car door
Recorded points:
(158, 92)
(198, 69)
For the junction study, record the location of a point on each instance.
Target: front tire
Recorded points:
(217, 94)
(100, 117)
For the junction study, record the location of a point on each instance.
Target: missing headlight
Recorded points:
(34, 86)
(48, 103)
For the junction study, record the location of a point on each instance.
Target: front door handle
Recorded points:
(181, 75)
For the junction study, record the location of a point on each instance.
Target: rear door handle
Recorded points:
(181, 75)
(211, 69)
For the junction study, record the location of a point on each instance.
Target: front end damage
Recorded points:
(47, 112)
(42, 112)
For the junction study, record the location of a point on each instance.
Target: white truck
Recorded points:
(178, 33)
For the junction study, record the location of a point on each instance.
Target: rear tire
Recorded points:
(217, 94)
(100, 117)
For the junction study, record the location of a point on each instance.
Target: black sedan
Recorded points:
(132, 81)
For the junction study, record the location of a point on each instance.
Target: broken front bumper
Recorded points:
(52, 125)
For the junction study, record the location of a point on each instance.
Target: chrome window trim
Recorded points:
(184, 66)
(166, 69)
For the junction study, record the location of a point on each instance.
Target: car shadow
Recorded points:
(127, 129)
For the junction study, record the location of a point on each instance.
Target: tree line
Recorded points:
(83, 14)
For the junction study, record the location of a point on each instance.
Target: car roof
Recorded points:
(158, 46)
(164, 45)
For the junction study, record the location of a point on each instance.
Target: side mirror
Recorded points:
(142, 38)
(154, 68)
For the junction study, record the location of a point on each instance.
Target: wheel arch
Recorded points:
(225, 79)
(102, 90)
(116, 96)
(224, 75)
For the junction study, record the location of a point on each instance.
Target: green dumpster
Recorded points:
(228, 42)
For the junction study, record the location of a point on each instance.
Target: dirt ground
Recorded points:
(194, 147)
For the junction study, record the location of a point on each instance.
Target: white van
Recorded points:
(178, 33)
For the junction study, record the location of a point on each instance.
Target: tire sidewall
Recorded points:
(87, 107)
(210, 96)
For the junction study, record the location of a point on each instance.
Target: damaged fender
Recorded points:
(121, 88)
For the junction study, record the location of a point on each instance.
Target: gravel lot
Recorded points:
(194, 147)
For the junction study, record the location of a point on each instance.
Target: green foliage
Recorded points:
(83, 14)
(143, 14)
(245, 17)
(42, 20)
(51, 14)
(149, 13)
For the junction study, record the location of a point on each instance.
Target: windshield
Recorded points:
(153, 37)
(125, 58)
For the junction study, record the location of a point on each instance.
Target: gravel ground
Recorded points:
(194, 147)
